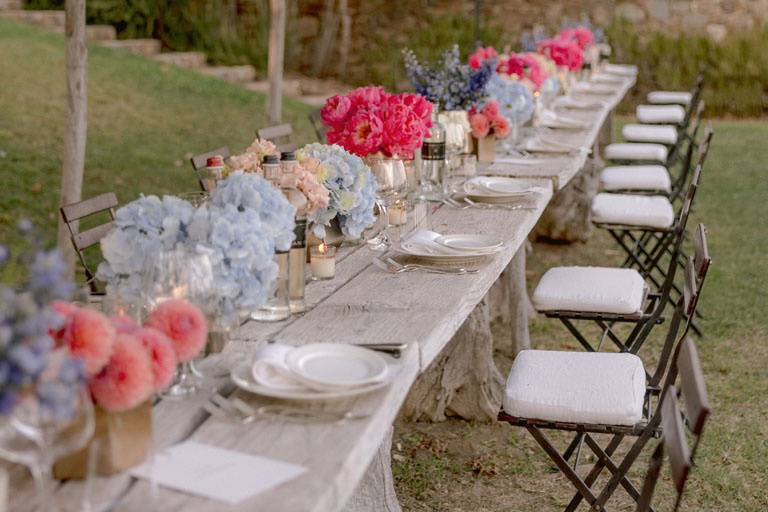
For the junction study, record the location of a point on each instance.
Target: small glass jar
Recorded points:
(322, 262)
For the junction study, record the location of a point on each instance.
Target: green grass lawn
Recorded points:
(144, 121)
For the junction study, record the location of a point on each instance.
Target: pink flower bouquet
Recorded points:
(481, 55)
(250, 160)
(525, 68)
(488, 121)
(565, 52)
(581, 35)
(370, 120)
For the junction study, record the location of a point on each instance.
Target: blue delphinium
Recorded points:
(514, 99)
(351, 186)
(529, 40)
(239, 229)
(449, 82)
(26, 348)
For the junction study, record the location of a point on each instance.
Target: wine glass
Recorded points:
(180, 274)
(36, 435)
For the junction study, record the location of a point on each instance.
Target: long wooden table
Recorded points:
(362, 304)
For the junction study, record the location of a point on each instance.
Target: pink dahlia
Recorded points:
(183, 323)
(87, 334)
(126, 380)
(162, 355)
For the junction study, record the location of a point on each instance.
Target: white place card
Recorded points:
(215, 473)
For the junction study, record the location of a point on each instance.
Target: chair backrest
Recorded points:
(281, 135)
(690, 136)
(82, 240)
(317, 123)
(696, 409)
(199, 163)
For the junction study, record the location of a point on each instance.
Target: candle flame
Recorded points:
(322, 248)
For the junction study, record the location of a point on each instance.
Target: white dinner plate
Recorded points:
(242, 376)
(470, 242)
(485, 186)
(422, 251)
(336, 365)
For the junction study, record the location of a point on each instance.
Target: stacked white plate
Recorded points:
(318, 371)
(593, 88)
(551, 119)
(449, 249)
(493, 189)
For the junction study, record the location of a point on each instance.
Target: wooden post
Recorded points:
(276, 56)
(346, 36)
(75, 129)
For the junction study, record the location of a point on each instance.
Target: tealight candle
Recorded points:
(322, 261)
(398, 212)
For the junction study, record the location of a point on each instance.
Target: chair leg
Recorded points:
(594, 473)
(625, 465)
(576, 334)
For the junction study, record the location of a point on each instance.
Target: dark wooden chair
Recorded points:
(281, 135)
(319, 126)
(674, 423)
(82, 240)
(199, 161)
(673, 358)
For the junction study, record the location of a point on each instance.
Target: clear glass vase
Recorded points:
(277, 306)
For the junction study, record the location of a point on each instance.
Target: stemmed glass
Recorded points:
(36, 435)
(392, 179)
(180, 274)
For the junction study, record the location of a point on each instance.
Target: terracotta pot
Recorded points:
(125, 439)
(486, 149)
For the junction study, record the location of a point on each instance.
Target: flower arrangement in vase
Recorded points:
(126, 364)
(449, 82)
(488, 124)
(352, 190)
(250, 160)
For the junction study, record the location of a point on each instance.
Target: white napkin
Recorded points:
(538, 145)
(573, 103)
(269, 368)
(425, 240)
(519, 160)
(620, 69)
(606, 78)
(552, 119)
(592, 88)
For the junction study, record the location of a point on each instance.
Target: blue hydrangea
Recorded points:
(26, 348)
(515, 100)
(449, 82)
(352, 189)
(240, 228)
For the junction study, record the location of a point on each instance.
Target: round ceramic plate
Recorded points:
(242, 376)
(470, 242)
(488, 186)
(421, 251)
(336, 365)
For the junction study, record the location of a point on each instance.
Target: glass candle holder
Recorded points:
(322, 262)
(397, 212)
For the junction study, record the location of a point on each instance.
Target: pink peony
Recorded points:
(581, 35)
(564, 52)
(124, 323)
(500, 127)
(126, 380)
(183, 323)
(87, 334)
(162, 355)
(335, 110)
(420, 106)
(364, 133)
(369, 97)
(480, 125)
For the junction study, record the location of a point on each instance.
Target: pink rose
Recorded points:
(500, 127)
(480, 125)
(335, 110)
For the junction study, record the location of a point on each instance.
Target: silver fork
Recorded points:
(234, 409)
(486, 206)
(427, 268)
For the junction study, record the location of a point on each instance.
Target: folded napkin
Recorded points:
(620, 69)
(574, 104)
(606, 78)
(552, 119)
(537, 145)
(269, 368)
(520, 160)
(592, 88)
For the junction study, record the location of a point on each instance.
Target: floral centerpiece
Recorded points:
(515, 100)
(488, 124)
(565, 52)
(239, 228)
(370, 120)
(351, 186)
(250, 160)
(449, 82)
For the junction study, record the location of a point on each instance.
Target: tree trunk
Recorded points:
(464, 380)
(346, 36)
(75, 121)
(329, 23)
(276, 57)
(376, 491)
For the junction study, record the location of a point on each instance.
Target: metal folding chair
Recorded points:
(675, 345)
(199, 163)
(73, 213)
(281, 135)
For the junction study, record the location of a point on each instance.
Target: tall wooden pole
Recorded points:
(75, 122)
(276, 56)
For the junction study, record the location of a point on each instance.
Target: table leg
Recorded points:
(464, 380)
(376, 491)
(510, 303)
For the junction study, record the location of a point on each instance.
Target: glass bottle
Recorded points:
(277, 306)
(433, 163)
(213, 173)
(297, 258)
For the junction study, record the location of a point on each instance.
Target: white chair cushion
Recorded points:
(658, 114)
(632, 210)
(636, 177)
(590, 290)
(669, 97)
(636, 151)
(576, 387)
(662, 134)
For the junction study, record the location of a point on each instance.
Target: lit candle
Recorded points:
(398, 212)
(322, 261)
